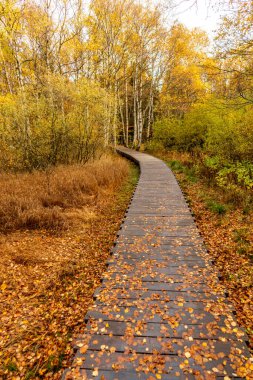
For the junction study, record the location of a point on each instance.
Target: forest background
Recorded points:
(75, 79)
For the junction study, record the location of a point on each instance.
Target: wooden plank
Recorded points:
(163, 345)
(173, 317)
(166, 364)
(161, 330)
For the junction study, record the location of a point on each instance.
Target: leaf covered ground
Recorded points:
(228, 233)
(47, 280)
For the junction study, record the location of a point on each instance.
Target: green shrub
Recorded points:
(219, 139)
(154, 146)
(190, 172)
(236, 175)
(177, 166)
(213, 163)
(216, 207)
(166, 130)
(221, 131)
(230, 134)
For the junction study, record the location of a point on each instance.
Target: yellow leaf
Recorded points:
(79, 361)
(3, 286)
(95, 372)
(84, 349)
(241, 371)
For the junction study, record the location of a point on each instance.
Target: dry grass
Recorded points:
(38, 200)
(47, 280)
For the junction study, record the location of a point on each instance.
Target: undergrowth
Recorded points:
(47, 280)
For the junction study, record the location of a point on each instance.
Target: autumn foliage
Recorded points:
(75, 79)
(47, 279)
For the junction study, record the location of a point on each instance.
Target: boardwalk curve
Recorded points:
(160, 312)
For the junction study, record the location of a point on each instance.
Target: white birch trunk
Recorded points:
(135, 99)
(126, 111)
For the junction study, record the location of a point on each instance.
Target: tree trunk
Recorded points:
(135, 99)
(150, 113)
(140, 114)
(126, 111)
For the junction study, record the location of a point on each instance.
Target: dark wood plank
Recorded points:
(162, 330)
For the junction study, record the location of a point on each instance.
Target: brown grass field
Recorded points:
(56, 231)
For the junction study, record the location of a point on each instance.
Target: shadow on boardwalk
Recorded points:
(160, 312)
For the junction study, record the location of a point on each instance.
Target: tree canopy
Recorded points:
(75, 79)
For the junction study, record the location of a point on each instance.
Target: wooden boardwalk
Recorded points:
(160, 312)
